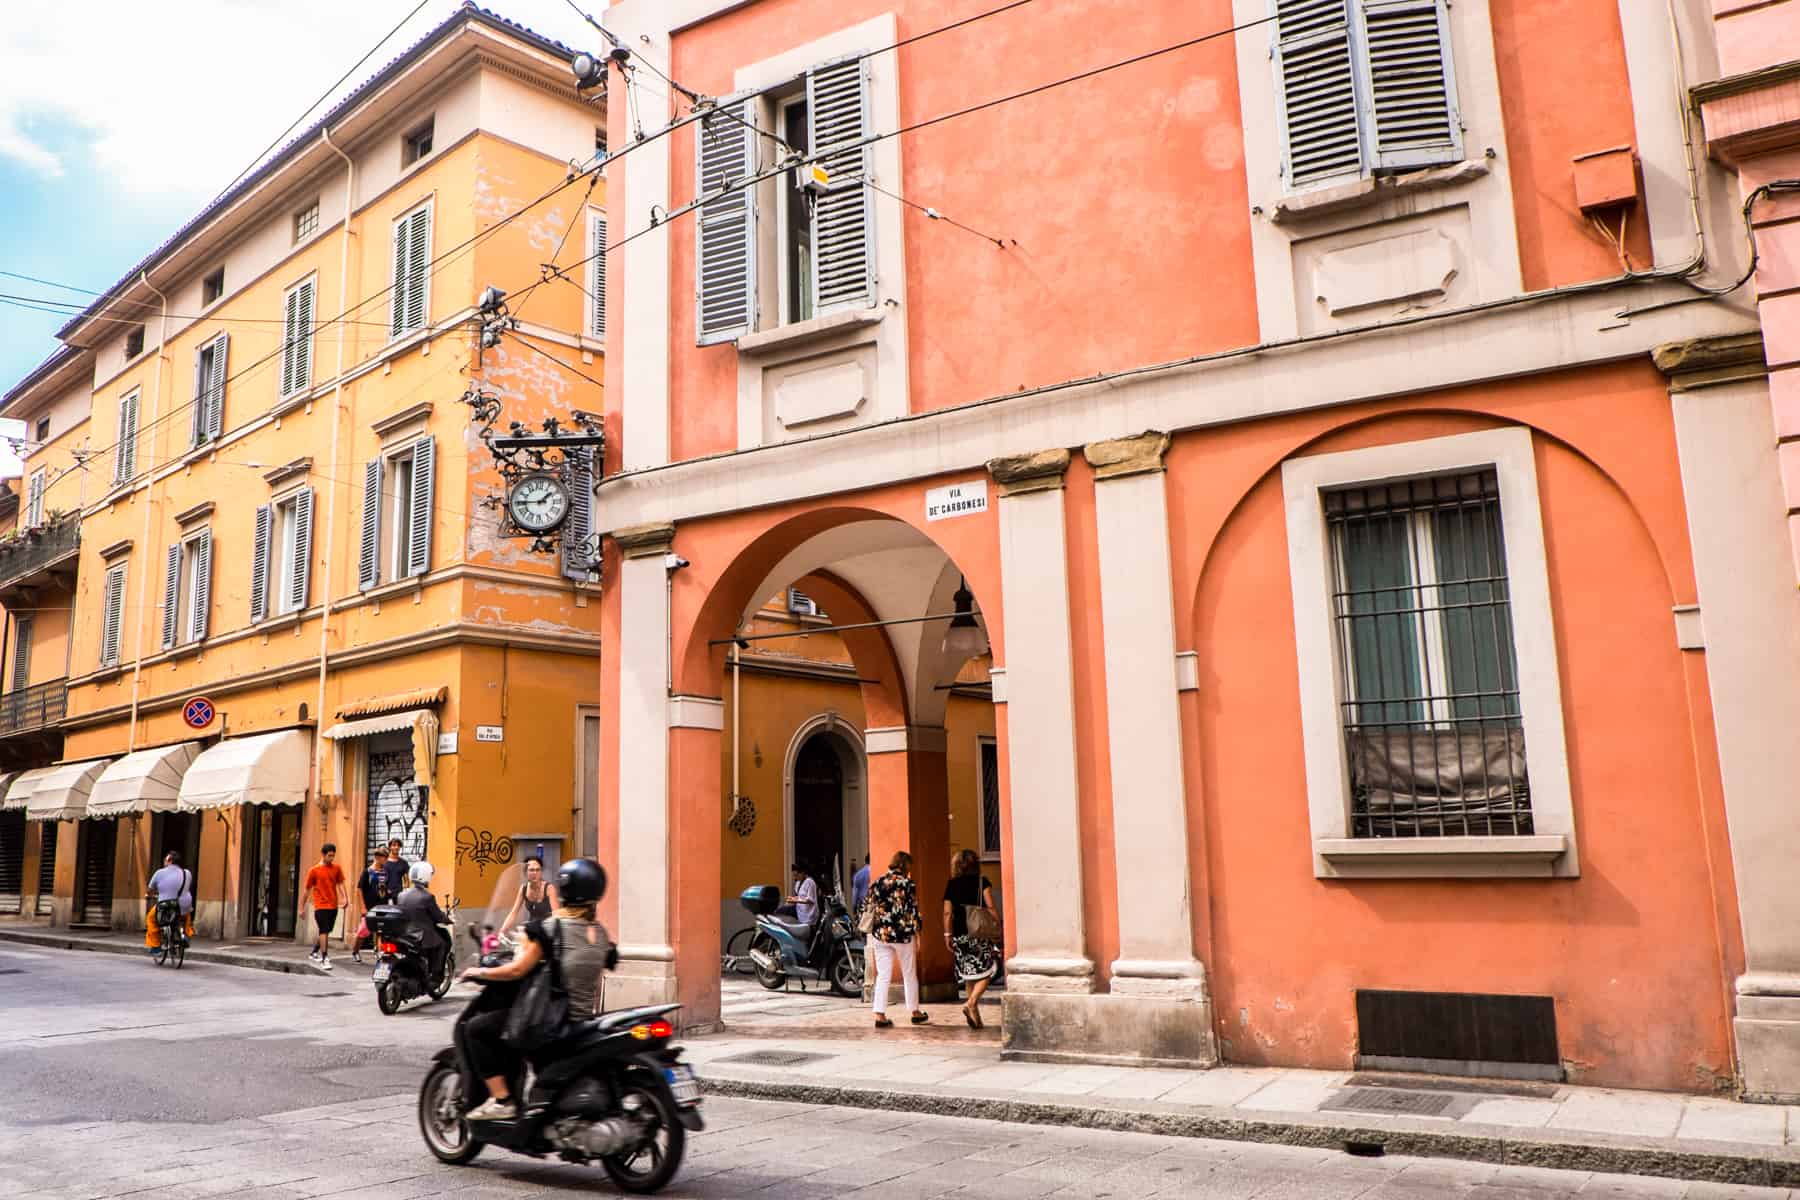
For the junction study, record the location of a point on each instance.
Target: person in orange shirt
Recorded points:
(325, 892)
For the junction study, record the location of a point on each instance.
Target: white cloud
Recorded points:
(173, 99)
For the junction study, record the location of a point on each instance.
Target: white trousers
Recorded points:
(886, 953)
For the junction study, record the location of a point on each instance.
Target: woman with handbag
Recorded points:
(571, 949)
(894, 923)
(971, 929)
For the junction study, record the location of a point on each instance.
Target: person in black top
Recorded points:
(976, 958)
(423, 918)
(372, 885)
(398, 870)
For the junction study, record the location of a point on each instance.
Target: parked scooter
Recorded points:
(613, 1091)
(401, 964)
(830, 949)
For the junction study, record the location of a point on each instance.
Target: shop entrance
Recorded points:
(46, 890)
(94, 887)
(180, 832)
(274, 868)
(12, 860)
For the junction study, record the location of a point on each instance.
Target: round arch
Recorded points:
(846, 742)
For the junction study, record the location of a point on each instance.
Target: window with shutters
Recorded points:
(112, 615)
(821, 232)
(209, 390)
(1364, 87)
(298, 324)
(21, 655)
(34, 498)
(125, 449)
(399, 490)
(596, 283)
(187, 590)
(281, 557)
(411, 290)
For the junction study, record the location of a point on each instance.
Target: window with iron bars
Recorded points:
(1423, 623)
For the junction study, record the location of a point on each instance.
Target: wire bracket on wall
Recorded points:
(568, 453)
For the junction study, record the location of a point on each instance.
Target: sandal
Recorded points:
(969, 1016)
(921, 1017)
(883, 1023)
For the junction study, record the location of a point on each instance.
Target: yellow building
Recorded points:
(259, 598)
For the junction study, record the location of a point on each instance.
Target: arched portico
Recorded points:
(828, 740)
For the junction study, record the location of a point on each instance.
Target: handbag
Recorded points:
(865, 925)
(981, 922)
(541, 1009)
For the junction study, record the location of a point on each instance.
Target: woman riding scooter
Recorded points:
(582, 950)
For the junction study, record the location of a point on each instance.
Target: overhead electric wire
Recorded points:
(523, 341)
(25, 301)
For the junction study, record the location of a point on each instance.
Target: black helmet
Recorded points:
(580, 881)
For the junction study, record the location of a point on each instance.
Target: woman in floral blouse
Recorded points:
(895, 900)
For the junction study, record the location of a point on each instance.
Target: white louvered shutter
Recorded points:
(113, 614)
(202, 597)
(1409, 85)
(21, 665)
(725, 233)
(412, 250)
(843, 219)
(259, 563)
(578, 527)
(171, 596)
(34, 504)
(1316, 90)
(597, 274)
(368, 559)
(300, 570)
(296, 349)
(424, 488)
(125, 456)
(215, 384)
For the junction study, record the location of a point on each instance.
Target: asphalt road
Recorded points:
(121, 1079)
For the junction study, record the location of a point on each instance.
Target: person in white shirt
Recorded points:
(172, 882)
(803, 905)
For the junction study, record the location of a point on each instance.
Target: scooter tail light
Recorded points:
(389, 948)
(655, 1029)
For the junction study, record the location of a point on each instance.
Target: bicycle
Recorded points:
(171, 949)
(736, 960)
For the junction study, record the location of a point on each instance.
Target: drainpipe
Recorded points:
(736, 723)
(143, 588)
(337, 422)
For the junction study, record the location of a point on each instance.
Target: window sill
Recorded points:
(279, 622)
(184, 650)
(806, 333)
(1531, 856)
(1328, 201)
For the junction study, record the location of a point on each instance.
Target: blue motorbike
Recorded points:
(781, 948)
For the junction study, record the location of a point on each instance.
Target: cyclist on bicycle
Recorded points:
(172, 883)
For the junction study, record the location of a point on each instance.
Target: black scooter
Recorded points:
(401, 964)
(614, 1090)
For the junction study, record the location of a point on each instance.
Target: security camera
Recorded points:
(673, 562)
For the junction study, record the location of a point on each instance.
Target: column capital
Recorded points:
(643, 541)
(1118, 457)
(1697, 362)
(1041, 471)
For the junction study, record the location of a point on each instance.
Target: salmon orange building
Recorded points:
(1344, 422)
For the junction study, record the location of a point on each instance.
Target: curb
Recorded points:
(1619, 1158)
(55, 941)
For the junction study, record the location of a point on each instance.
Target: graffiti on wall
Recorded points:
(481, 847)
(397, 808)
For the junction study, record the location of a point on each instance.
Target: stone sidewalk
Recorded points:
(1536, 1125)
(262, 954)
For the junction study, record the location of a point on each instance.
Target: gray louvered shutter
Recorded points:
(300, 570)
(202, 607)
(296, 356)
(412, 249)
(1316, 90)
(578, 527)
(171, 596)
(725, 233)
(843, 219)
(1409, 85)
(197, 433)
(424, 488)
(290, 337)
(597, 274)
(34, 505)
(368, 559)
(113, 612)
(21, 666)
(125, 455)
(215, 385)
(259, 563)
(397, 322)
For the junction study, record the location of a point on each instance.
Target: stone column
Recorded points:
(1045, 907)
(1748, 627)
(909, 809)
(1149, 801)
(646, 973)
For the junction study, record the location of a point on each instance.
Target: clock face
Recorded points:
(538, 503)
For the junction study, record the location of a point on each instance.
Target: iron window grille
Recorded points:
(1423, 621)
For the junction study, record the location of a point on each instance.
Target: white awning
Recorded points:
(15, 788)
(142, 781)
(421, 721)
(62, 793)
(263, 768)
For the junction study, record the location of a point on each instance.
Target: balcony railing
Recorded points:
(34, 707)
(31, 553)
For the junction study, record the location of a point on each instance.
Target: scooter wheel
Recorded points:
(441, 1122)
(651, 1166)
(387, 996)
(772, 978)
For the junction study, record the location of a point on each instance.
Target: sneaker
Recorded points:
(325, 963)
(312, 956)
(356, 957)
(494, 1110)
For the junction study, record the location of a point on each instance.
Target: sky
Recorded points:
(120, 120)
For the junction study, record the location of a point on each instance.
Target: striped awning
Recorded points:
(262, 768)
(142, 781)
(18, 786)
(421, 722)
(376, 706)
(62, 792)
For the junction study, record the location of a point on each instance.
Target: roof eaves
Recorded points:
(468, 12)
(59, 358)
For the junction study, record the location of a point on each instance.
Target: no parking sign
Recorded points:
(198, 712)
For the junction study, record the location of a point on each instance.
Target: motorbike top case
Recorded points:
(761, 900)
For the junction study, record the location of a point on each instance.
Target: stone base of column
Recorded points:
(1065, 975)
(1767, 1029)
(1113, 1028)
(1166, 979)
(645, 976)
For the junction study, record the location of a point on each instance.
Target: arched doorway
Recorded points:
(827, 813)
